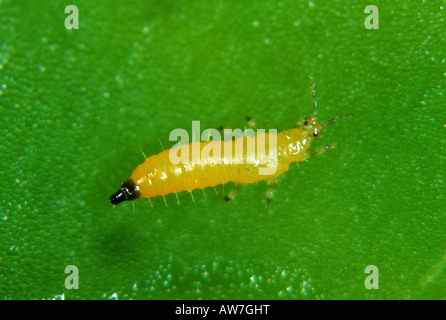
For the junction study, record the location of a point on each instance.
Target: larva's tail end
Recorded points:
(128, 191)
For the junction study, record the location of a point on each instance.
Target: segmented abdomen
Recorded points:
(157, 175)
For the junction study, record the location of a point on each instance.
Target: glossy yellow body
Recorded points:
(158, 176)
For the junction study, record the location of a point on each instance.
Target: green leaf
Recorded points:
(78, 105)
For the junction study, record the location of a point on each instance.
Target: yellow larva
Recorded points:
(158, 176)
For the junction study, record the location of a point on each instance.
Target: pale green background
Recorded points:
(77, 106)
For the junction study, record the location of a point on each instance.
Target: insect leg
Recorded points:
(269, 194)
(221, 130)
(251, 123)
(233, 193)
(318, 151)
(299, 123)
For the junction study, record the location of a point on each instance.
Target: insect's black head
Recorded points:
(128, 191)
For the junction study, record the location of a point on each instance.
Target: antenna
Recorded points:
(313, 93)
(340, 118)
